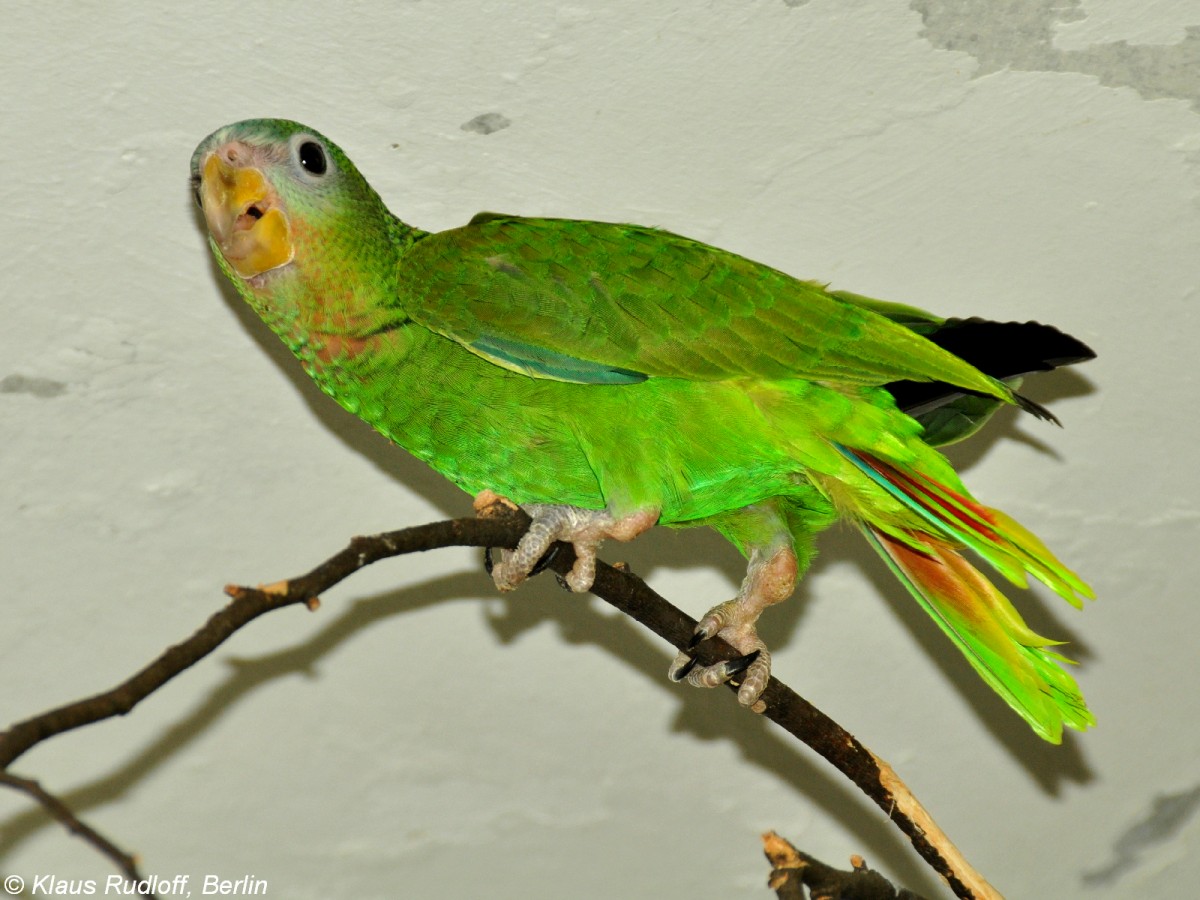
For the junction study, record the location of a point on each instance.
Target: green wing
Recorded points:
(597, 302)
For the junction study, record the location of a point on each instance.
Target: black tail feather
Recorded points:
(1004, 350)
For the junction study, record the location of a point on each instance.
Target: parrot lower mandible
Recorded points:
(610, 377)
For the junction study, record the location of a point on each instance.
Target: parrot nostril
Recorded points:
(247, 219)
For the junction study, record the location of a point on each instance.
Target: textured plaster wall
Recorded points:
(420, 737)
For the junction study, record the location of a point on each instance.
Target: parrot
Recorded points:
(608, 377)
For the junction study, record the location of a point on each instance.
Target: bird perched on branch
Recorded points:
(610, 377)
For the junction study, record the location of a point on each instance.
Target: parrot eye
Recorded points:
(312, 157)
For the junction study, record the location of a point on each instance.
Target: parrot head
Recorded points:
(291, 221)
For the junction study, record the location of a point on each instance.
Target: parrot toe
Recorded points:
(754, 665)
(684, 664)
(540, 566)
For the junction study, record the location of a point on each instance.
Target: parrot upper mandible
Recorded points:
(610, 377)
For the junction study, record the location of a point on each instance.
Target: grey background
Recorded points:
(1017, 160)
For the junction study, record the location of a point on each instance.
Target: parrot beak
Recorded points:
(244, 217)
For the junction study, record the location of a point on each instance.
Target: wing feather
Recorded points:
(622, 298)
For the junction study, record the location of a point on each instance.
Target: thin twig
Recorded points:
(123, 861)
(502, 527)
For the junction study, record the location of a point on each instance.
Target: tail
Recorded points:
(1007, 351)
(983, 624)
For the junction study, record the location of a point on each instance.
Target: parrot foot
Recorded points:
(769, 580)
(583, 529)
(755, 661)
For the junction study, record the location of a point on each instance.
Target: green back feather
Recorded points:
(641, 300)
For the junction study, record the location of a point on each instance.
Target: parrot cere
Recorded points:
(610, 377)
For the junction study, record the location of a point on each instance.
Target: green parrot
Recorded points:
(610, 377)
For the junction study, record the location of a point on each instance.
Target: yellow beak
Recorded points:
(244, 218)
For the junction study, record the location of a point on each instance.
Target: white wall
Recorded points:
(1025, 160)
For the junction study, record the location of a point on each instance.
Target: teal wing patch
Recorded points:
(539, 362)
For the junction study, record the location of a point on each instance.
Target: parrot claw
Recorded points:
(546, 559)
(700, 636)
(682, 666)
(730, 667)
(741, 663)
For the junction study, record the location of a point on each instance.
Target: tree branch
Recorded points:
(501, 527)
